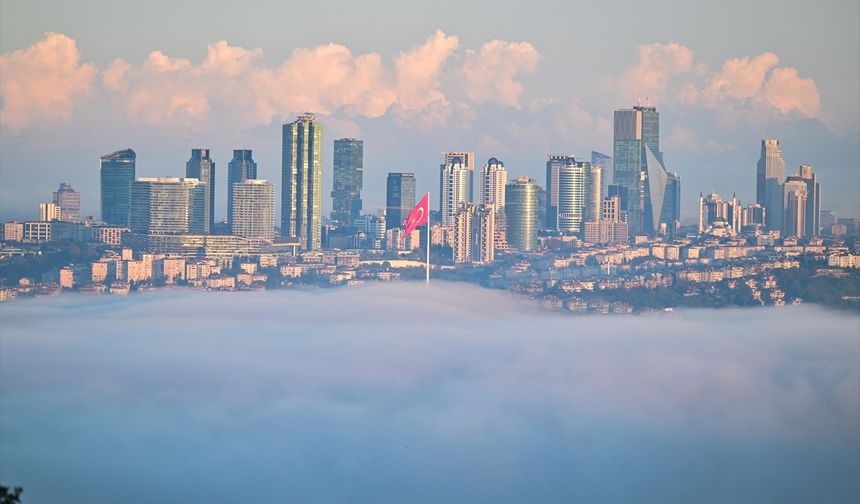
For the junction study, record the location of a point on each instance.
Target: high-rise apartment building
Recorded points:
(813, 199)
(69, 202)
(117, 174)
(167, 205)
(348, 180)
(770, 174)
(491, 184)
(474, 234)
(253, 209)
(241, 168)
(610, 228)
(467, 159)
(638, 167)
(201, 167)
(453, 188)
(301, 191)
(593, 192)
(565, 193)
(399, 198)
(794, 215)
(521, 213)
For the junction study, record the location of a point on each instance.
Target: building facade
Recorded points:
(253, 209)
(453, 188)
(117, 172)
(301, 181)
(69, 202)
(521, 213)
(770, 175)
(201, 167)
(638, 167)
(348, 180)
(474, 234)
(491, 184)
(565, 193)
(241, 168)
(468, 160)
(168, 205)
(399, 198)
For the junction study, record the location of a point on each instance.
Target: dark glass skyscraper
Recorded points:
(301, 186)
(399, 198)
(348, 178)
(201, 167)
(242, 167)
(638, 167)
(117, 173)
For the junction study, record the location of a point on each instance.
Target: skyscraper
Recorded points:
(638, 167)
(117, 174)
(399, 198)
(242, 167)
(672, 200)
(468, 160)
(794, 218)
(453, 188)
(521, 212)
(474, 234)
(770, 174)
(69, 202)
(593, 192)
(604, 162)
(813, 200)
(565, 193)
(167, 205)
(491, 184)
(201, 167)
(253, 209)
(348, 177)
(301, 191)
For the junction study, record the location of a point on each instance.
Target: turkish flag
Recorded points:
(418, 216)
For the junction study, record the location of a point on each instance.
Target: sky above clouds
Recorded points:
(474, 396)
(506, 80)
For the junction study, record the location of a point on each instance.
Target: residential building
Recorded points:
(467, 159)
(241, 168)
(301, 182)
(69, 202)
(453, 188)
(253, 209)
(49, 212)
(167, 206)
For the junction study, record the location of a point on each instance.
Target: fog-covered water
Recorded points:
(404, 393)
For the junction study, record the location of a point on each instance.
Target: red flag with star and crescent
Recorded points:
(418, 216)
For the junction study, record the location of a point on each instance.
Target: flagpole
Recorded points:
(428, 238)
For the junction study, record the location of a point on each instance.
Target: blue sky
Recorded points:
(413, 83)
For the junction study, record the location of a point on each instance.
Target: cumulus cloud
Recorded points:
(742, 87)
(40, 83)
(655, 67)
(43, 81)
(490, 72)
(787, 91)
(379, 394)
(419, 71)
(741, 78)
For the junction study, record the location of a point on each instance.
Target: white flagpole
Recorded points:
(428, 238)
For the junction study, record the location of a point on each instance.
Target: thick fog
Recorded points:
(407, 393)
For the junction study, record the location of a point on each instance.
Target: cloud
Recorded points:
(489, 74)
(655, 67)
(745, 88)
(787, 91)
(356, 395)
(740, 78)
(40, 83)
(419, 71)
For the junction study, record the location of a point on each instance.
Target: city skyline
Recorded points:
(712, 119)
